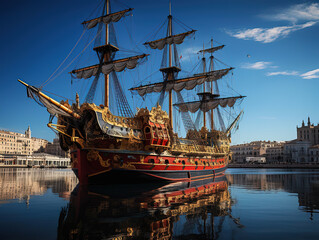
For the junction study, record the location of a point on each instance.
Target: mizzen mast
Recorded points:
(204, 85)
(211, 87)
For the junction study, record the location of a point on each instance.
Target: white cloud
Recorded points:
(291, 73)
(267, 35)
(257, 65)
(299, 12)
(311, 74)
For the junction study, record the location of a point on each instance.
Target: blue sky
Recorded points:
(273, 46)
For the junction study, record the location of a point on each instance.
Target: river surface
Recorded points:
(245, 204)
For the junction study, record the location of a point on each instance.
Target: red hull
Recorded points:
(113, 166)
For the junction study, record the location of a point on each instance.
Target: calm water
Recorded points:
(249, 204)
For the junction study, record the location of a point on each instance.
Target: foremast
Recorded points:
(106, 55)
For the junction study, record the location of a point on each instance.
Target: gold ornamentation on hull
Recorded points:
(118, 163)
(94, 155)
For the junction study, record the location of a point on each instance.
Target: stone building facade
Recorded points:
(252, 149)
(308, 132)
(297, 151)
(275, 154)
(55, 149)
(314, 154)
(18, 144)
(13, 143)
(304, 149)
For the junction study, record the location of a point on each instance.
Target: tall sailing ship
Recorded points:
(108, 148)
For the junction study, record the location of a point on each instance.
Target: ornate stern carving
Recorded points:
(155, 115)
(156, 128)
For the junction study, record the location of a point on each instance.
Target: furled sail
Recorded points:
(106, 68)
(113, 17)
(177, 39)
(53, 107)
(180, 84)
(211, 50)
(207, 105)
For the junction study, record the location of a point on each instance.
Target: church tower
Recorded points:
(28, 132)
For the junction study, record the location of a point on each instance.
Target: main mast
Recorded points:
(107, 58)
(170, 74)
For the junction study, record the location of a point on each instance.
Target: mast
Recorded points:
(107, 58)
(212, 89)
(170, 74)
(204, 85)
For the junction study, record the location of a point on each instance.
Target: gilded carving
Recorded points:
(155, 115)
(128, 166)
(94, 155)
(118, 163)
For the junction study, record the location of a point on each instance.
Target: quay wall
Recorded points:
(274, 165)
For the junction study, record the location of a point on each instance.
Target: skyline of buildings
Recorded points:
(19, 143)
(14, 143)
(303, 149)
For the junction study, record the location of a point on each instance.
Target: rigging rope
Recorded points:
(221, 121)
(198, 120)
(75, 58)
(181, 23)
(47, 81)
(159, 28)
(187, 121)
(123, 106)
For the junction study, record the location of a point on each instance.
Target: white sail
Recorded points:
(207, 105)
(184, 83)
(177, 39)
(106, 68)
(113, 17)
(211, 50)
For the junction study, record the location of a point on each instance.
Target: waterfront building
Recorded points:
(255, 159)
(252, 149)
(314, 153)
(308, 132)
(13, 143)
(55, 149)
(25, 150)
(275, 154)
(297, 151)
(42, 159)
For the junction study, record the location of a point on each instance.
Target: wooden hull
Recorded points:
(103, 166)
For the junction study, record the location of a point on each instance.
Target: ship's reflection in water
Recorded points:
(250, 204)
(193, 210)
